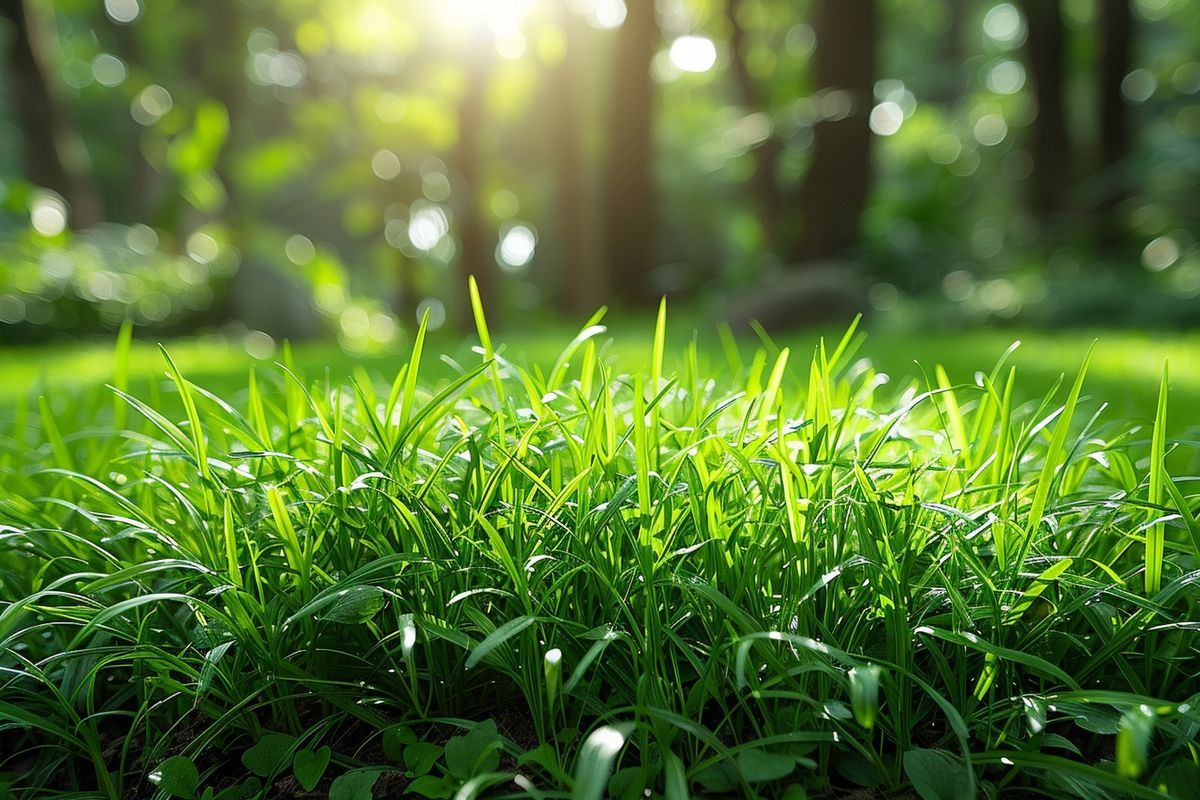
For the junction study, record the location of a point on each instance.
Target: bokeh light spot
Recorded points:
(427, 226)
(299, 250)
(693, 53)
(202, 248)
(122, 12)
(1003, 24)
(437, 312)
(1139, 85)
(607, 14)
(141, 239)
(886, 118)
(109, 70)
(151, 105)
(516, 247)
(1186, 78)
(1160, 253)
(991, 130)
(504, 204)
(385, 164)
(1006, 77)
(47, 212)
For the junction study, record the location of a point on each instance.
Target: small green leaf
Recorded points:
(355, 605)
(269, 754)
(310, 766)
(720, 778)
(937, 775)
(795, 792)
(355, 785)
(394, 740)
(759, 766)
(420, 757)
(177, 776)
(475, 752)
(431, 787)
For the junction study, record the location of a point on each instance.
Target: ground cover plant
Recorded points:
(780, 577)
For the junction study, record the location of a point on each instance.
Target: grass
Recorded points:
(750, 574)
(1124, 371)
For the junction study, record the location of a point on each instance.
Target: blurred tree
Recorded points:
(141, 194)
(579, 281)
(54, 152)
(953, 83)
(475, 256)
(767, 197)
(838, 182)
(1114, 128)
(223, 74)
(1051, 147)
(630, 218)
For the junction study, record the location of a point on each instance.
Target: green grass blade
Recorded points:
(1155, 533)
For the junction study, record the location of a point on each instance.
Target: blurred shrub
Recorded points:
(66, 283)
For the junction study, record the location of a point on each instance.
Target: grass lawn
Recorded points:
(639, 569)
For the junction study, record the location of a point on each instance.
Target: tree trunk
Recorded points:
(1116, 41)
(228, 86)
(838, 183)
(767, 197)
(953, 83)
(54, 152)
(142, 193)
(578, 274)
(475, 256)
(1050, 147)
(629, 202)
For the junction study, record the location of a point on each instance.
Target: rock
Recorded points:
(805, 295)
(267, 299)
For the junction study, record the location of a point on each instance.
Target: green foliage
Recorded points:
(938, 775)
(271, 753)
(310, 766)
(354, 785)
(177, 776)
(596, 759)
(507, 577)
(864, 694)
(478, 751)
